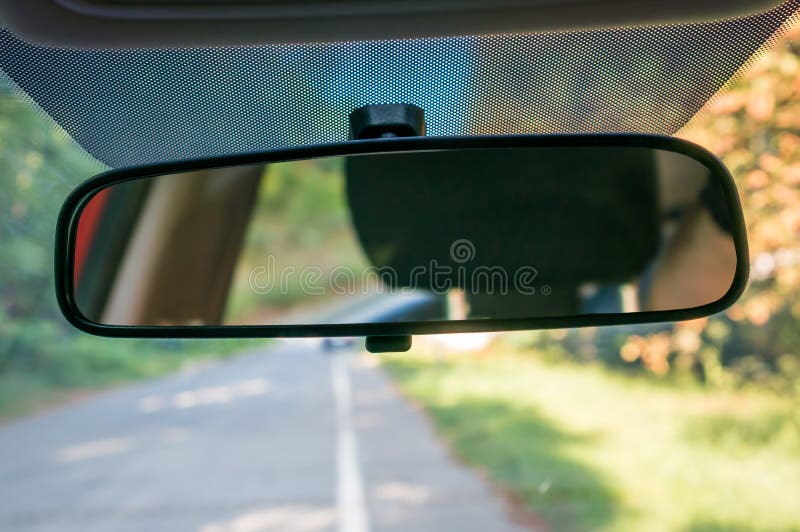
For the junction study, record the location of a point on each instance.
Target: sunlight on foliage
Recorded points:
(589, 448)
(753, 125)
(686, 426)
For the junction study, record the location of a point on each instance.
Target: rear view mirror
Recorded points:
(405, 236)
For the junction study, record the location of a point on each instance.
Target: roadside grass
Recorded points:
(21, 393)
(59, 365)
(588, 448)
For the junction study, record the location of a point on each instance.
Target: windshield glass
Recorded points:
(683, 426)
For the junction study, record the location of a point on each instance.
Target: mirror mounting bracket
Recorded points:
(388, 344)
(387, 121)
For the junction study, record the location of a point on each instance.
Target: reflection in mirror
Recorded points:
(411, 236)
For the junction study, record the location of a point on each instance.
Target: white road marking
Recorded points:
(350, 487)
(208, 395)
(92, 449)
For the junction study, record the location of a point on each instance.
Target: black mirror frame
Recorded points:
(70, 213)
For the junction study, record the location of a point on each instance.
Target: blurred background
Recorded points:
(686, 426)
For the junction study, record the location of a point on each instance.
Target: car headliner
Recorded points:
(138, 106)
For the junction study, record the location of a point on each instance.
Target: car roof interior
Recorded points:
(152, 24)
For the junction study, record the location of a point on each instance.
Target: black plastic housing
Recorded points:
(67, 222)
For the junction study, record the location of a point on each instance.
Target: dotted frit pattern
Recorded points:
(138, 106)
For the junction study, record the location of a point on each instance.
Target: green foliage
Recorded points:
(301, 219)
(588, 448)
(39, 165)
(746, 433)
(753, 125)
(42, 358)
(306, 198)
(690, 426)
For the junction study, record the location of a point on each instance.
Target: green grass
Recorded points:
(588, 448)
(21, 393)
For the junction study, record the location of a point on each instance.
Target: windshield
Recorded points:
(684, 426)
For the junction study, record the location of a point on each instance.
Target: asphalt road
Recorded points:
(286, 438)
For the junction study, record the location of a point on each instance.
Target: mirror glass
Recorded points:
(490, 233)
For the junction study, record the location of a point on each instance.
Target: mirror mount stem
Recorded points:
(387, 121)
(388, 344)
